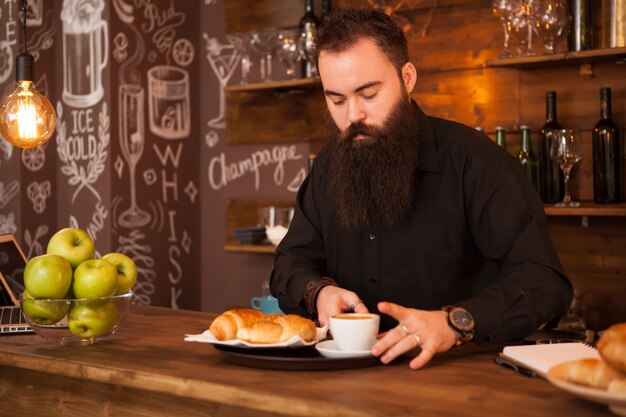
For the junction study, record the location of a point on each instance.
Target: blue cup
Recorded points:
(267, 304)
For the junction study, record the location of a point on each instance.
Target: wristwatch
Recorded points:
(462, 321)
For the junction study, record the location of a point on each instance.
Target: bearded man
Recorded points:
(424, 220)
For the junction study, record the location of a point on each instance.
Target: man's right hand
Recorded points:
(333, 300)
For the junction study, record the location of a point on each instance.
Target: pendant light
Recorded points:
(27, 118)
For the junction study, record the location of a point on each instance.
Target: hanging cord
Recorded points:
(24, 4)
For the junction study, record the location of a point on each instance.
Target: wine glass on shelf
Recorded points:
(504, 10)
(567, 153)
(523, 25)
(288, 50)
(241, 42)
(264, 43)
(551, 20)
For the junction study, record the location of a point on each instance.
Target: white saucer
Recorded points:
(329, 349)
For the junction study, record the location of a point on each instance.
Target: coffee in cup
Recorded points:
(354, 331)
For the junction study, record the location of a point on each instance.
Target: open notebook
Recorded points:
(540, 358)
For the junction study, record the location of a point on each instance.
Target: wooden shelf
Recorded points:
(581, 57)
(276, 112)
(250, 248)
(276, 85)
(588, 209)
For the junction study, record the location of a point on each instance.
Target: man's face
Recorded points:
(361, 85)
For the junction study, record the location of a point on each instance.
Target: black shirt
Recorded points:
(476, 237)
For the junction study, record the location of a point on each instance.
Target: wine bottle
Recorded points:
(527, 159)
(550, 175)
(607, 155)
(501, 137)
(580, 29)
(326, 7)
(308, 25)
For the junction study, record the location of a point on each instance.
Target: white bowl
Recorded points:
(275, 234)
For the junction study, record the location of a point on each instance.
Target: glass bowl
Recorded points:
(82, 321)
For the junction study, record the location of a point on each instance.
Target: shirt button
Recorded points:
(372, 236)
(372, 281)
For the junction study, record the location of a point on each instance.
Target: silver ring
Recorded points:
(417, 338)
(405, 329)
(356, 303)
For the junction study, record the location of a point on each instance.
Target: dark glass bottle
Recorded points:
(527, 159)
(308, 25)
(607, 155)
(581, 23)
(501, 137)
(326, 7)
(550, 175)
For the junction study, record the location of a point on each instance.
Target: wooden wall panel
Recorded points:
(595, 260)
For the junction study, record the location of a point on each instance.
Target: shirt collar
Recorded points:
(427, 159)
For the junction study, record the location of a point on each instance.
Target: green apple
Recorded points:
(44, 311)
(48, 276)
(89, 320)
(126, 271)
(94, 278)
(75, 245)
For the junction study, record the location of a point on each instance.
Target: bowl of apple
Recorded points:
(72, 298)
(76, 321)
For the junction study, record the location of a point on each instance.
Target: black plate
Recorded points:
(305, 359)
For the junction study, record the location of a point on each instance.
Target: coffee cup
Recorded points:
(267, 304)
(354, 331)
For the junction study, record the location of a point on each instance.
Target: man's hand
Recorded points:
(427, 329)
(333, 300)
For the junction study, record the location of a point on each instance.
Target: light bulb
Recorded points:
(27, 118)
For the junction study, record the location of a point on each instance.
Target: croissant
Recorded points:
(294, 325)
(612, 346)
(591, 372)
(256, 327)
(226, 325)
(618, 385)
(261, 332)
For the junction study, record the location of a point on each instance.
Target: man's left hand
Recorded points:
(428, 330)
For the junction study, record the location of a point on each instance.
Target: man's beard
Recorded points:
(372, 181)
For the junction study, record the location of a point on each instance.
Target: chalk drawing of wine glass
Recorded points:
(223, 60)
(168, 101)
(132, 138)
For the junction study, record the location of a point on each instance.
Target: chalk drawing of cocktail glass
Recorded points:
(223, 60)
(85, 51)
(168, 101)
(132, 138)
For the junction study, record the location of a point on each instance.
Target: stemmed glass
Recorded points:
(288, 50)
(551, 19)
(504, 10)
(264, 42)
(241, 42)
(523, 25)
(567, 153)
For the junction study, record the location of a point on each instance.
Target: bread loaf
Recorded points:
(227, 324)
(612, 346)
(254, 327)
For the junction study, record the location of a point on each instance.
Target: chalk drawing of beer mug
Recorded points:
(168, 101)
(85, 55)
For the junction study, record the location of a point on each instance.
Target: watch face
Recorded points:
(462, 319)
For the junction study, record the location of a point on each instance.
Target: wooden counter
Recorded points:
(148, 370)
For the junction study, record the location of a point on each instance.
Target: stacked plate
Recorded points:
(250, 235)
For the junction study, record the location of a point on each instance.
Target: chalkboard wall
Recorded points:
(139, 159)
